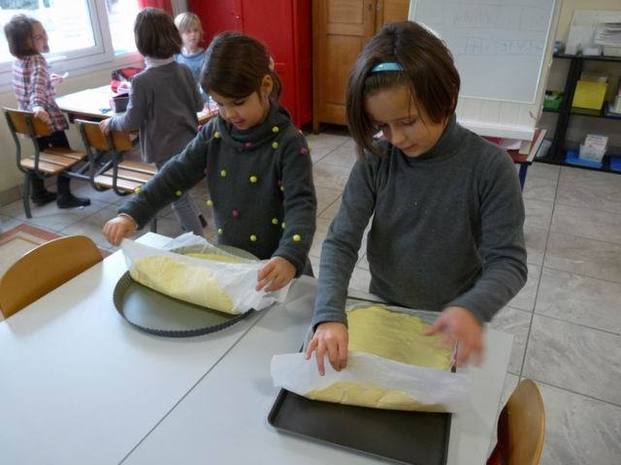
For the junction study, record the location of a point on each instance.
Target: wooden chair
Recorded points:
(43, 269)
(521, 428)
(124, 177)
(45, 163)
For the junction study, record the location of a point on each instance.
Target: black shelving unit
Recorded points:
(556, 152)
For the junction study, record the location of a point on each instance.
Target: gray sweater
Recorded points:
(162, 104)
(260, 186)
(447, 229)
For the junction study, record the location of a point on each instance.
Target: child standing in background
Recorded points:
(34, 87)
(163, 102)
(192, 54)
(257, 165)
(446, 207)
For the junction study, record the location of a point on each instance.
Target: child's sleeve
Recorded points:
(136, 110)
(339, 252)
(40, 80)
(300, 203)
(179, 174)
(502, 246)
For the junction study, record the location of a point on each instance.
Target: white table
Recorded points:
(79, 385)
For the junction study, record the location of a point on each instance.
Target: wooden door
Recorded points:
(391, 11)
(340, 30)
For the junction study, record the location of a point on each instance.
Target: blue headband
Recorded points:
(389, 66)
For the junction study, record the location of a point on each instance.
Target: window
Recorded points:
(84, 35)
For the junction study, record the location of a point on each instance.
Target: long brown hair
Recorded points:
(236, 65)
(156, 34)
(427, 68)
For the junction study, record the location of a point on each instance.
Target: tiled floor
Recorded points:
(566, 321)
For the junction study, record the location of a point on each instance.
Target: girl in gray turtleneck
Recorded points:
(445, 206)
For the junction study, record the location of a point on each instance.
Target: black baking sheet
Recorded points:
(419, 438)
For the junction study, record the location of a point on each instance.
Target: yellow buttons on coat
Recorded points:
(253, 179)
(275, 129)
(274, 145)
(274, 220)
(297, 238)
(223, 173)
(178, 193)
(209, 203)
(137, 190)
(253, 238)
(220, 231)
(217, 135)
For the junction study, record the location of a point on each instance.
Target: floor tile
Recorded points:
(326, 174)
(330, 212)
(587, 222)
(320, 234)
(515, 322)
(579, 430)
(6, 223)
(572, 357)
(580, 299)
(50, 216)
(538, 213)
(535, 244)
(544, 170)
(360, 279)
(344, 156)
(589, 257)
(589, 189)
(326, 196)
(540, 188)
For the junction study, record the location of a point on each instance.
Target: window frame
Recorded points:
(86, 60)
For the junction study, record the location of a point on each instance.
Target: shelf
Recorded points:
(585, 112)
(588, 57)
(616, 152)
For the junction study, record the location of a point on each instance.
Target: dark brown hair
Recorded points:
(427, 69)
(236, 65)
(18, 32)
(156, 35)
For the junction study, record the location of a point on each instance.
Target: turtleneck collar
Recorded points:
(151, 62)
(447, 144)
(242, 139)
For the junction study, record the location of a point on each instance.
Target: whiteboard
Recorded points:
(502, 50)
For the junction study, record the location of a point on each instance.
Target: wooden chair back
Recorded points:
(43, 269)
(92, 135)
(521, 428)
(25, 123)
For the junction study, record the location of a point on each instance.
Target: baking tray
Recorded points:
(419, 438)
(162, 315)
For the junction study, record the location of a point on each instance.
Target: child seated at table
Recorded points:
(257, 165)
(192, 54)
(34, 87)
(163, 102)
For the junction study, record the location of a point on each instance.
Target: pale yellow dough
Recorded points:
(185, 282)
(391, 335)
(216, 257)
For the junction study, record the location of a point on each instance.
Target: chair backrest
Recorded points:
(25, 123)
(93, 137)
(521, 427)
(43, 269)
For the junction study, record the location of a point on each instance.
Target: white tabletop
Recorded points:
(224, 418)
(79, 385)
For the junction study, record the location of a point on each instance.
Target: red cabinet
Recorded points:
(285, 27)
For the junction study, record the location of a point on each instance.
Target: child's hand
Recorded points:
(57, 79)
(275, 274)
(330, 337)
(118, 228)
(104, 125)
(461, 326)
(40, 113)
